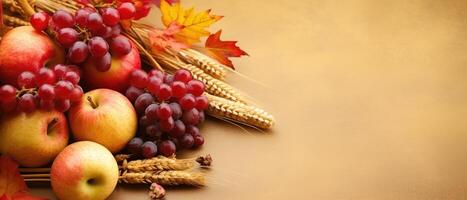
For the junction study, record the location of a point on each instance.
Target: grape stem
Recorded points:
(93, 104)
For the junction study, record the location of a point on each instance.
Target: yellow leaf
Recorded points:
(194, 24)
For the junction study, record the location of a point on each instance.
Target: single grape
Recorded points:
(201, 103)
(72, 77)
(46, 92)
(167, 124)
(175, 141)
(127, 10)
(120, 45)
(156, 73)
(74, 68)
(142, 11)
(63, 19)
(195, 87)
(134, 146)
(76, 94)
(62, 105)
(116, 30)
(104, 63)
(67, 36)
(183, 76)
(59, 71)
(178, 130)
(176, 110)
(149, 149)
(193, 130)
(144, 121)
(132, 93)
(98, 47)
(164, 111)
(27, 103)
(187, 141)
(78, 52)
(45, 76)
(7, 93)
(151, 112)
(81, 17)
(47, 104)
(187, 102)
(95, 22)
(26, 80)
(143, 101)
(63, 89)
(110, 16)
(153, 85)
(40, 21)
(178, 89)
(139, 78)
(167, 148)
(199, 141)
(153, 132)
(164, 92)
(191, 117)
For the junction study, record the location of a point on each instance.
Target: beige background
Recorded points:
(370, 99)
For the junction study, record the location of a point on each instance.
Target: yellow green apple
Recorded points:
(25, 49)
(33, 139)
(84, 170)
(104, 116)
(117, 77)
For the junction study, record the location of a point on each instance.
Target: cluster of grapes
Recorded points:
(170, 108)
(89, 34)
(47, 89)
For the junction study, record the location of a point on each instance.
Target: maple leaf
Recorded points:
(162, 39)
(222, 50)
(195, 24)
(12, 186)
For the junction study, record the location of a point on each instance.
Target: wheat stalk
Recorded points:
(13, 6)
(223, 108)
(158, 164)
(170, 178)
(203, 62)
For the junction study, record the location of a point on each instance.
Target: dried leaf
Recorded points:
(195, 24)
(12, 186)
(222, 50)
(162, 39)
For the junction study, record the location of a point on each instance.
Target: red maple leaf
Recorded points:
(222, 50)
(12, 186)
(162, 39)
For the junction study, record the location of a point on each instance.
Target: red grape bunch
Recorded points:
(46, 89)
(170, 109)
(89, 34)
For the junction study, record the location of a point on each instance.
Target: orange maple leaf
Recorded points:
(162, 39)
(12, 186)
(222, 50)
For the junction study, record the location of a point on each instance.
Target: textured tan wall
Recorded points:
(370, 98)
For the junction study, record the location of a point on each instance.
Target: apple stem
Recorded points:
(93, 104)
(51, 125)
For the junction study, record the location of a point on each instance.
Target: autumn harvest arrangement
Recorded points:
(92, 97)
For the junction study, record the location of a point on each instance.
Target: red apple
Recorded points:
(117, 77)
(34, 139)
(104, 116)
(25, 49)
(84, 170)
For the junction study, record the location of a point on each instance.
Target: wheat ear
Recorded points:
(224, 108)
(158, 164)
(203, 62)
(170, 178)
(14, 21)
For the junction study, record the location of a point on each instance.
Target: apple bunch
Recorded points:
(170, 107)
(47, 89)
(90, 34)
